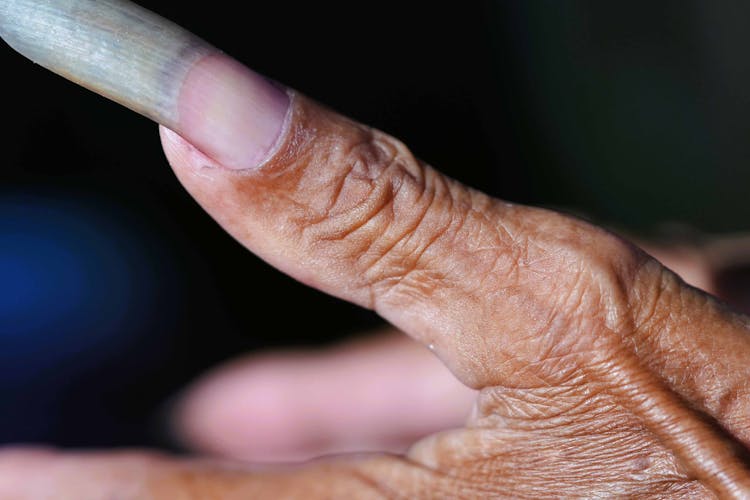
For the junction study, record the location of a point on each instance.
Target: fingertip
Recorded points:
(246, 410)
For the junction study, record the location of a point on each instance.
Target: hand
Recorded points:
(293, 406)
(599, 372)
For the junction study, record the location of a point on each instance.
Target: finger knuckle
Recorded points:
(383, 213)
(581, 273)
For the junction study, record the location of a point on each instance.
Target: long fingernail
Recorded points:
(153, 66)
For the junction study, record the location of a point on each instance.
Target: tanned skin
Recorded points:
(599, 373)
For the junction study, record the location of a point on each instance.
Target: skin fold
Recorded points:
(599, 373)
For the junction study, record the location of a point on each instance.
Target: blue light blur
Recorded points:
(71, 277)
(80, 299)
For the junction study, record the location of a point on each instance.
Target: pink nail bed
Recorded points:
(231, 113)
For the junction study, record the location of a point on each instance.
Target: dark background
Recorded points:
(116, 289)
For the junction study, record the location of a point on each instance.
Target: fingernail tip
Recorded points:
(114, 48)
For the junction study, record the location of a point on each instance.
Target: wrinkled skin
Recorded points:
(599, 372)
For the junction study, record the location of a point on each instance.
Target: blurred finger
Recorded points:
(381, 393)
(30, 474)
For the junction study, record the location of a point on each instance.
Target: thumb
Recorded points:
(348, 210)
(340, 206)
